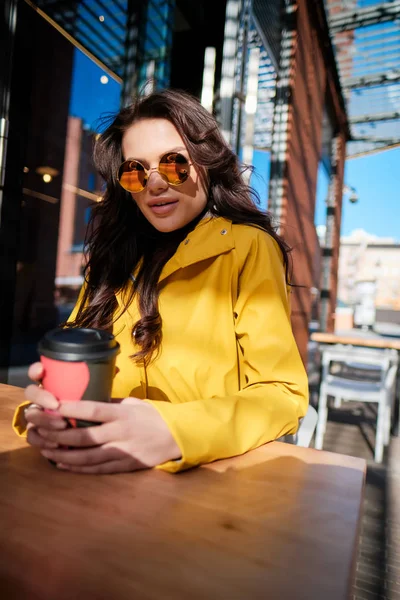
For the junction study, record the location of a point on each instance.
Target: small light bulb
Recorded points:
(104, 79)
(26, 169)
(47, 178)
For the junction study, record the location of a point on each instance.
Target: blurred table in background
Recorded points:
(366, 339)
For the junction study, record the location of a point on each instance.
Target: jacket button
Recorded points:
(224, 231)
(186, 242)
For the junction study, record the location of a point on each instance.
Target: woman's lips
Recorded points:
(164, 208)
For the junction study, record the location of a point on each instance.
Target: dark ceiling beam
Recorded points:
(363, 46)
(372, 80)
(371, 151)
(390, 63)
(361, 58)
(154, 7)
(120, 6)
(371, 15)
(108, 12)
(73, 27)
(63, 5)
(373, 118)
(368, 34)
(69, 33)
(369, 92)
(376, 140)
(106, 30)
(370, 68)
(71, 23)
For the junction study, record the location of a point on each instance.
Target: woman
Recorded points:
(193, 281)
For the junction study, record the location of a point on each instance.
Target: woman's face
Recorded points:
(166, 207)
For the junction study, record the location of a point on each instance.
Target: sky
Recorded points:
(376, 178)
(377, 181)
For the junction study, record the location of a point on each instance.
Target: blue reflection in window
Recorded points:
(88, 213)
(91, 182)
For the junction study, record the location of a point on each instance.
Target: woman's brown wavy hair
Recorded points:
(121, 241)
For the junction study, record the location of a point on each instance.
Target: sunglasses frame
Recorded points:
(149, 171)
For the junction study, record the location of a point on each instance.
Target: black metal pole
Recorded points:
(9, 203)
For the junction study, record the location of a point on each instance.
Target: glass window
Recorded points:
(60, 186)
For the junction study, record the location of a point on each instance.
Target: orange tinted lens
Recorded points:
(175, 167)
(132, 176)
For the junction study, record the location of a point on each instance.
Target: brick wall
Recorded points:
(312, 88)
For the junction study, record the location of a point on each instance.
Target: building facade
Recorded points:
(272, 84)
(369, 258)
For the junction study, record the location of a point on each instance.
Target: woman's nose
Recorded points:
(156, 182)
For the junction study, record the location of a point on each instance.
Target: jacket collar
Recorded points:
(211, 237)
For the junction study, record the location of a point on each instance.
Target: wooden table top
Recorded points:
(280, 522)
(353, 340)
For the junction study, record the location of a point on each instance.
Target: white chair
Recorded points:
(353, 357)
(306, 429)
(380, 391)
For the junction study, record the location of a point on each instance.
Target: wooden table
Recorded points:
(378, 341)
(280, 522)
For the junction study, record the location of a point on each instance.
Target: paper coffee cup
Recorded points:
(79, 364)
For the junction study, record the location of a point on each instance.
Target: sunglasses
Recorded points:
(173, 167)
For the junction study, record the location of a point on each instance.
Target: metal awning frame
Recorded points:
(363, 17)
(377, 79)
(75, 42)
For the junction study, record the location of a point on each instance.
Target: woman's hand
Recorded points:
(35, 415)
(130, 436)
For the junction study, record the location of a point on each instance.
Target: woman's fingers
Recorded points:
(85, 437)
(89, 410)
(45, 420)
(35, 439)
(85, 457)
(35, 371)
(38, 395)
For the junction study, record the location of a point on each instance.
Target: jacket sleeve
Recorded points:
(274, 391)
(18, 421)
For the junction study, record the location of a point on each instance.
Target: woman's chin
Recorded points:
(165, 225)
(176, 219)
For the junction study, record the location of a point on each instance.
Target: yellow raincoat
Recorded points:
(229, 375)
